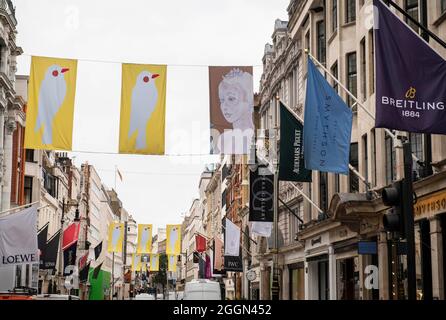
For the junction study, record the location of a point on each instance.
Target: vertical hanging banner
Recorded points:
(154, 262)
(261, 195)
(42, 235)
(50, 110)
(292, 162)
(18, 238)
(115, 236)
(143, 109)
(136, 262)
(231, 109)
(173, 241)
(232, 239)
(328, 126)
(200, 243)
(144, 238)
(70, 235)
(172, 262)
(218, 261)
(410, 78)
(51, 252)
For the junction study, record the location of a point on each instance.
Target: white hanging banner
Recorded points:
(232, 239)
(18, 238)
(262, 229)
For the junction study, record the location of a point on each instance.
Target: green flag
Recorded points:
(291, 164)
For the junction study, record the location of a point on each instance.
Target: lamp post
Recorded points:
(275, 287)
(62, 221)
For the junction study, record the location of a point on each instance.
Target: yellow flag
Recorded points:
(143, 109)
(136, 262)
(171, 262)
(173, 242)
(144, 238)
(154, 262)
(51, 93)
(115, 236)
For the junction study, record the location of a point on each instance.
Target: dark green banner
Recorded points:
(292, 164)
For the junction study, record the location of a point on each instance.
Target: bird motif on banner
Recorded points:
(173, 237)
(144, 99)
(115, 236)
(51, 97)
(144, 238)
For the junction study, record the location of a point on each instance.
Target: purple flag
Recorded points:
(410, 78)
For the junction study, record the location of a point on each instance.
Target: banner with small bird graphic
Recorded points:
(154, 262)
(173, 241)
(50, 109)
(172, 262)
(144, 238)
(143, 109)
(115, 237)
(136, 262)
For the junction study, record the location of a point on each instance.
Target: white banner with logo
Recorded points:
(232, 239)
(18, 238)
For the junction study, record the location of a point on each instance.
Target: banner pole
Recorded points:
(414, 157)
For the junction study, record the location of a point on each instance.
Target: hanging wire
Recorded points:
(119, 62)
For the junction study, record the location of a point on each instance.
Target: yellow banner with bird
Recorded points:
(143, 109)
(50, 109)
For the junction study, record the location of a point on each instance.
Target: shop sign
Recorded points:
(430, 205)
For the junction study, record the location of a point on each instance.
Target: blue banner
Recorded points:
(410, 78)
(328, 126)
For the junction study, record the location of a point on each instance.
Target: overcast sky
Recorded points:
(187, 36)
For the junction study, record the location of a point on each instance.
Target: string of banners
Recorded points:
(52, 91)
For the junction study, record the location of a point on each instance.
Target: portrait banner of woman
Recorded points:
(231, 106)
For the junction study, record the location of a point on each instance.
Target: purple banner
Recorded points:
(410, 78)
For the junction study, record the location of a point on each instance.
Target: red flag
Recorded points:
(200, 242)
(70, 235)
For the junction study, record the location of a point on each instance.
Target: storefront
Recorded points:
(296, 273)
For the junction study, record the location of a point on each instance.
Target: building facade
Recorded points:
(319, 256)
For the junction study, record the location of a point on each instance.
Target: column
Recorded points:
(285, 283)
(383, 266)
(7, 164)
(307, 281)
(437, 259)
(332, 272)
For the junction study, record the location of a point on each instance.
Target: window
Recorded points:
(371, 63)
(416, 142)
(28, 188)
(320, 27)
(390, 160)
(29, 155)
(354, 180)
(334, 72)
(49, 183)
(365, 156)
(443, 6)
(351, 76)
(337, 183)
(334, 15)
(411, 7)
(350, 11)
(373, 152)
(363, 71)
(323, 194)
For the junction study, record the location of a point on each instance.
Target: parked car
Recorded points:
(202, 289)
(144, 296)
